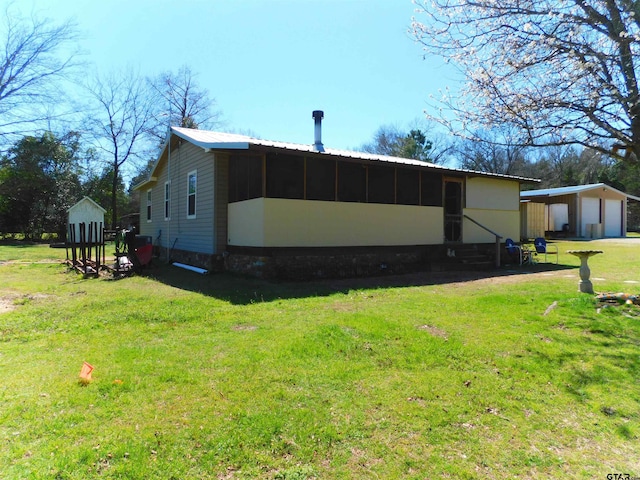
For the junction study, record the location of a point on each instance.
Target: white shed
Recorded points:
(88, 212)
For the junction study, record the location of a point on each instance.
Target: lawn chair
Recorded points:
(543, 248)
(517, 252)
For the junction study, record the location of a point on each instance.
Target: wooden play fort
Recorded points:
(86, 243)
(86, 250)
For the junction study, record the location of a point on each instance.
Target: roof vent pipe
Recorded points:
(318, 115)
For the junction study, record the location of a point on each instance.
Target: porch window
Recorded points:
(245, 177)
(285, 176)
(352, 182)
(381, 185)
(431, 188)
(192, 186)
(149, 205)
(408, 187)
(321, 179)
(167, 200)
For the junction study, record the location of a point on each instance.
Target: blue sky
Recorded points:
(270, 63)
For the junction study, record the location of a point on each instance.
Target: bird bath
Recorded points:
(585, 284)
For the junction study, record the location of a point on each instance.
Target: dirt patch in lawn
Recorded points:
(6, 305)
(435, 331)
(244, 328)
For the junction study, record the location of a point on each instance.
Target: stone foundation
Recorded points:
(295, 264)
(212, 263)
(285, 264)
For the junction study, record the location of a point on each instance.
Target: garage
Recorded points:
(594, 211)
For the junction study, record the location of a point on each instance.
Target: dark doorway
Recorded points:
(453, 190)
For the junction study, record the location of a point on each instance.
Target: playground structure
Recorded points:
(86, 247)
(86, 250)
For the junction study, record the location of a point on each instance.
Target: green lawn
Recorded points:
(221, 377)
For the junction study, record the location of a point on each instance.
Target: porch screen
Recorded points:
(352, 182)
(431, 188)
(408, 187)
(245, 177)
(285, 176)
(321, 179)
(381, 185)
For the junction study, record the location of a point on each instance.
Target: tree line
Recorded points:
(55, 150)
(550, 91)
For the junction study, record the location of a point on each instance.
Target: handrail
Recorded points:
(498, 237)
(482, 226)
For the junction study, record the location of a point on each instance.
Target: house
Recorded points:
(588, 211)
(284, 210)
(88, 212)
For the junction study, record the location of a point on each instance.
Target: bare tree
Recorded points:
(493, 151)
(561, 71)
(183, 101)
(419, 143)
(120, 123)
(35, 56)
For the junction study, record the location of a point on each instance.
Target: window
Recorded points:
(192, 185)
(381, 185)
(285, 176)
(321, 179)
(352, 182)
(431, 187)
(408, 187)
(149, 205)
(245, 177)
(167, 204)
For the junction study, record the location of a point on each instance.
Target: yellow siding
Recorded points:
(246, 223)
(493, 194)
(505, 223)
(274, 222)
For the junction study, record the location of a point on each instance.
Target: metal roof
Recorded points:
(556, 192)
(210, 140)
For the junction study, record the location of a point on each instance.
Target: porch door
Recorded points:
(453, 204)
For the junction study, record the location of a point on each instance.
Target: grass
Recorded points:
(223, 377)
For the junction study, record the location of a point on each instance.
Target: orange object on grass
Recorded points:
(85, 372)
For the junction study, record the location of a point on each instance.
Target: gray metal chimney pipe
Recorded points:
(318, 115)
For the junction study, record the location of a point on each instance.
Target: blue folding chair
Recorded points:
(516, 251)
(542, 247)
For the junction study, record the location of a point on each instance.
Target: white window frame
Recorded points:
(167, 200)
(193, 173)
(149, 206)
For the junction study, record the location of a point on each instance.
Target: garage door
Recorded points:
(613, 218)
(590, 213)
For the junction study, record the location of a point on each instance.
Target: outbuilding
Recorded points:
(587, 211)
(88, 212)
